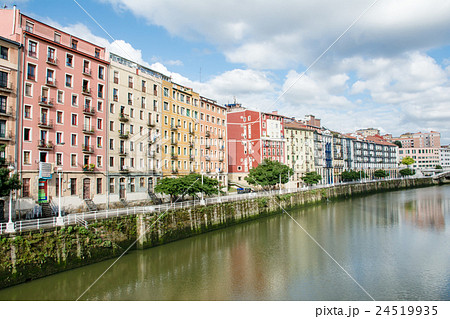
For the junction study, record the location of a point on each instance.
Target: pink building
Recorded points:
(252, 137)
(63, 114)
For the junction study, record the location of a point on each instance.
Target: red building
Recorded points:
(252, 137)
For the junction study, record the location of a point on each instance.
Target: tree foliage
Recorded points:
(380, 173)
(8, 183)
(398, 143)
(311, 178)
(267, 174)
(352, 175)
(187, 185)
(438, 167)
(407, 160)
(407, 172)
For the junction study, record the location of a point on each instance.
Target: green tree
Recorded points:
(438, 167)
(311, 178)
(380, 173)
(398, 143)
(267, 174)
(352, 175)
(407, 161)
(7, 183)
(187, 185)
(407, 172)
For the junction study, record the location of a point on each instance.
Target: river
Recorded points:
(395, 245)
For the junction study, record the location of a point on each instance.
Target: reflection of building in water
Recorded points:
(426, 211)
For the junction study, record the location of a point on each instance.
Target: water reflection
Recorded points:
(374, 238)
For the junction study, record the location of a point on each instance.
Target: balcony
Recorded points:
(6, 111)
(174, 171)
(220, 137)
(174, 127)
(173, 142)
(87, 71)
(88, 129)
(50, 82)
(207, 133)
(6, 87)
(151, 124)
(86, 91)
(88, 149)
(220, 159)
(88, 110)
(52, 60)
(207, 147)
(45, 123)
(88, 168)
(173, 156)
(122, 152)
(191, 158)
(44, 145)
(151, 154)
(191, 132)
(207, 158)
(191, 145)
(123, 134)
(45, 101)
(130, 102)
(123, 169)
(192, 171)
(123, 117)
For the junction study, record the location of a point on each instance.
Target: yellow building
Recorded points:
(180, 130)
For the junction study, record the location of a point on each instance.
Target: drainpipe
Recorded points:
(14, 20)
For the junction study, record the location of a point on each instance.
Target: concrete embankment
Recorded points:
(30, 255)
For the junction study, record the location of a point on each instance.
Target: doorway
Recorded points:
(86, 188)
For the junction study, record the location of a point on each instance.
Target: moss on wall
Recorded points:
(30, 255)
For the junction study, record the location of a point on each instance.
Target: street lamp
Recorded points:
(202, 201)
(218, 186)
(10, 225)
(59, 219)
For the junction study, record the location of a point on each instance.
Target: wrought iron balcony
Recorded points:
(87, 149)
(45, 101)
(45, 145)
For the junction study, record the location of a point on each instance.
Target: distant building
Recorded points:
(444, 156)
(417, 140)
(368, 132)
(425, 157)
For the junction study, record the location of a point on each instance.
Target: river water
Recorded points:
(395, 245)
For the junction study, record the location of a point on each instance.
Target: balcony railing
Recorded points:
(45, 101)
(174, 127)
(86, 91)
(207, 147)
(45, 123)
(50, 82)
(174, 156)
(6, 86)
(6, 111)
(122, 152)
(174, 171)
(123, 169)
(173, 142)
(207, 133)
(123, 134)
(45, 145)
(87, 149)
(52, 60)
(191, 132)
(88, 129)
(207, 158)
(87, 71)
(191, 158)
(123, 117)
(191, 145)
(88, 110)
(151, 124)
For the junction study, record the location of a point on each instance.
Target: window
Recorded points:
(97, 53)
(132, 186)
(59, 117)
(60, 97)
(111, 126)
(111, 161)
(101, 72)
(59, 158)
(99, 186)
(59, 138)
(166, 92)
(69, 60)
(3, 53)
(73, 186)
(99, 161)
(130, 82)
(27, 134)
(116, 77)
(73, 160)
(74, 119)
(32, 49)
(111, 144)
(26, 187)
(31, 72)
(68, 80)
(28, 89)
(74, 44)
(99, 124)
(3, 100)
(99, 142)
(100, 91)
(29, 26)
(26, 157)
(111, 185)
(73, 140)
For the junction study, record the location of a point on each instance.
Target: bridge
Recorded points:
(443, 177)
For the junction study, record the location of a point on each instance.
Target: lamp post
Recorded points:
(218, 186)
(202, 201)
(59, 219)
(10, 225)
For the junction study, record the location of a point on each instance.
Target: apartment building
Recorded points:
(9, 98)
(425, 157)
(299, 151)
(180, 144)
(213, 137)
(419, 140)
(444, 156)
(134, 130)
(252, 137)
(63, 89)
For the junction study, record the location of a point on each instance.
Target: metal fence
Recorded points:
(83, 218)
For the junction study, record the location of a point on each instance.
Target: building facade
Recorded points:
(134, 130)
(63, 88)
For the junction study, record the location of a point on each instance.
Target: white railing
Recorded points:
(83, 218)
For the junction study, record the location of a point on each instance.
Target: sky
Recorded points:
(389, 68)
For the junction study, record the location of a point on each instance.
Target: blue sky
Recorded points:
(389, 71)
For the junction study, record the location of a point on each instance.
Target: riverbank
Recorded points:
(34, 254)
